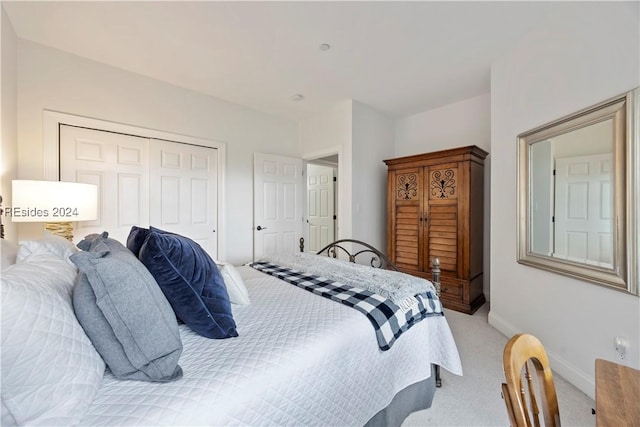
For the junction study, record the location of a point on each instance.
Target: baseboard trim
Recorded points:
(581, 380)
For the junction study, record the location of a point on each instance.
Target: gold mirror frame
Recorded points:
(624, 111)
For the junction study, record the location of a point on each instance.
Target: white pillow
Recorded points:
(48, 244)
(50, 370)
(8, 252)
(238, 293)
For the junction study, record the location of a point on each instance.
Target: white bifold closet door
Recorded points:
(143, 181)
(183, 191)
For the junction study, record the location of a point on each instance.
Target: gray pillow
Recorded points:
(124, 312)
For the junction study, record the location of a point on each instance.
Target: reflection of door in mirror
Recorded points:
(583, 223)
(572, 195)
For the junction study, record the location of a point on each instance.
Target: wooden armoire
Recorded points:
(436, 210)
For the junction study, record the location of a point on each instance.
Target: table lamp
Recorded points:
(55, 203)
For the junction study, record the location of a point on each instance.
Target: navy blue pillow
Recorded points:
(191, 282)
(136, 239)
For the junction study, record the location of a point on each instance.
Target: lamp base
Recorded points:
(62, 229)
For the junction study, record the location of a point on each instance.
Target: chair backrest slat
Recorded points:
(507, 402)
(533, 403)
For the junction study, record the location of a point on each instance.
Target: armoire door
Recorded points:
(405, 187)
(441, 230)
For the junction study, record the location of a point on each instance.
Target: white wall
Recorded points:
(8, 106)
(373, 135)
(460, 124)
(571, 63)
(54, 80)
(326, 133)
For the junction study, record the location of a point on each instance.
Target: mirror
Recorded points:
(578, 194)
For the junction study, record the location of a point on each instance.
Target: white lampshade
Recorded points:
(53, 201)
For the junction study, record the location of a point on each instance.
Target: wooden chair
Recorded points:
(525, 352)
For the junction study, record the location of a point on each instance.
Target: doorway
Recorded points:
(321, 225)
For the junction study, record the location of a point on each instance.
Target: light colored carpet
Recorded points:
(474, 399)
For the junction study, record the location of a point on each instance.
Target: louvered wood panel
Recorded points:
(442, 225)
(443, 235)
(407, 228)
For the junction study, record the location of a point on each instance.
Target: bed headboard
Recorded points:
(378, 259)
(337, 249)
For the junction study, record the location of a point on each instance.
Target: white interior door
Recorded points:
(184, 191)
(320, 209)
(584, 200)
(119, 165)
(278, 204)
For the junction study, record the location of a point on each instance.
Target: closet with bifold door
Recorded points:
(436, 210)
(144, 181)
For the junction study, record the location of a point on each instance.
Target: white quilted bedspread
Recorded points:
(300, 359)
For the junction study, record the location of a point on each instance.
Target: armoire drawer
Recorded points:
(451, 290)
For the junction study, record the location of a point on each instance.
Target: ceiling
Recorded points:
(397, 57)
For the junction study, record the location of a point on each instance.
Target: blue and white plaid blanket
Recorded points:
(389, 319)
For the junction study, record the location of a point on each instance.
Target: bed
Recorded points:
(298, 359)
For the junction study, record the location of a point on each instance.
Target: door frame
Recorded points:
(51, 152)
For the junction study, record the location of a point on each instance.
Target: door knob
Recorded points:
(260, 228)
